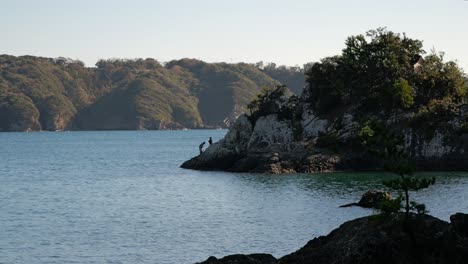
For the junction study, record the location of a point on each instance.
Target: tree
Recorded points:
(403, 166)
(383, 70)
(267, 102)
(381, 141)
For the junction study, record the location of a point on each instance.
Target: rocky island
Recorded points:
(381, 95)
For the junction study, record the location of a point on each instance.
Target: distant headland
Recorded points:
(52, 94)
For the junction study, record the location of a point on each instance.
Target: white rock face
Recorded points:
(239, 134)
(235, 140)
(436, 147)
(269, 131)
(313, 125)
(350, 127)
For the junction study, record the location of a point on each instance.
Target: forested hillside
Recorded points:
(60, 94)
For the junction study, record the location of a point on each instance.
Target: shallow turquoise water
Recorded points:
(120, 197)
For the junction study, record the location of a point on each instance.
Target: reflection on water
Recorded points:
(120, 197)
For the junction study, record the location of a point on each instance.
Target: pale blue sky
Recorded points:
(286, 32)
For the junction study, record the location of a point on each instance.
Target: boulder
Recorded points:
(374, 198)
(242, 259)
(371, 199)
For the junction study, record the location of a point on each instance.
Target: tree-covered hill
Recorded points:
(58, 94)
(293, 77)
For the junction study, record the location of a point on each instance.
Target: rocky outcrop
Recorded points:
(372, 199)
(242, 259)
(379, 240)
(223, 154)
(310, 144)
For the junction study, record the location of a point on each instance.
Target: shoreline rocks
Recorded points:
(274, 145)
(371, 199)
(375, 239)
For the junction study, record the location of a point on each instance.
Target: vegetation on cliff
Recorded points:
(395, 94)
(385, 71)
(382, 94)
(56, 94)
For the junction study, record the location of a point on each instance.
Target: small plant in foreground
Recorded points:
(406, 182)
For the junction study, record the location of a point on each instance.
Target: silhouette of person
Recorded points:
(201, 147)
(210, 141)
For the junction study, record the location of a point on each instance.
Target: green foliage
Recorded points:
(124, 94)
(403, 92)
(391, 206)
(409, 183)
(379, 140)
(292, 77)
(17, 112)
(404, 167)
(386, 144)
(270, 101)
(383, 72)
(434, 115)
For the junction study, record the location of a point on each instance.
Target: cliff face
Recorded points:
(360, 110)
(271, 145)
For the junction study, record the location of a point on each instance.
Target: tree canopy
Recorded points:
(383, 70)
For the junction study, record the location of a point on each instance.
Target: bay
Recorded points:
(120, 197)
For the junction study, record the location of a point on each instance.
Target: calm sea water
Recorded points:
(120, 197)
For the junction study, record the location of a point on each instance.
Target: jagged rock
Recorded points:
(460, 224)
(223, 154)
(374, 198)
(371, 199)
(313, 125)
(377, 240)
(308, 143)
(319, 163)
(270, 132)
(242, 259)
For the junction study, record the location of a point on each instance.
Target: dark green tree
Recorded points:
(384, 71)
(405, 183)
(387, 144)
(267, 102)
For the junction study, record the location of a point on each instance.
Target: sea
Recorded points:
(120, 197)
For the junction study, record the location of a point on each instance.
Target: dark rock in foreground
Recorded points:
(371, 199)
(378, 240)
(243, 259)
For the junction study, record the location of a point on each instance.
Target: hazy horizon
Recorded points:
(271, 31)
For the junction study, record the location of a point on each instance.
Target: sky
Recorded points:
(290, 32)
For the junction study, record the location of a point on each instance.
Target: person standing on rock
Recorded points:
(201, 147)
(210, 141)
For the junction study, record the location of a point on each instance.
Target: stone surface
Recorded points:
(307, 143)
(313, 126)
(371, 199)
(374, 240)
(374, 198)
(242, 259)
(269, 132)
(378, 240)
